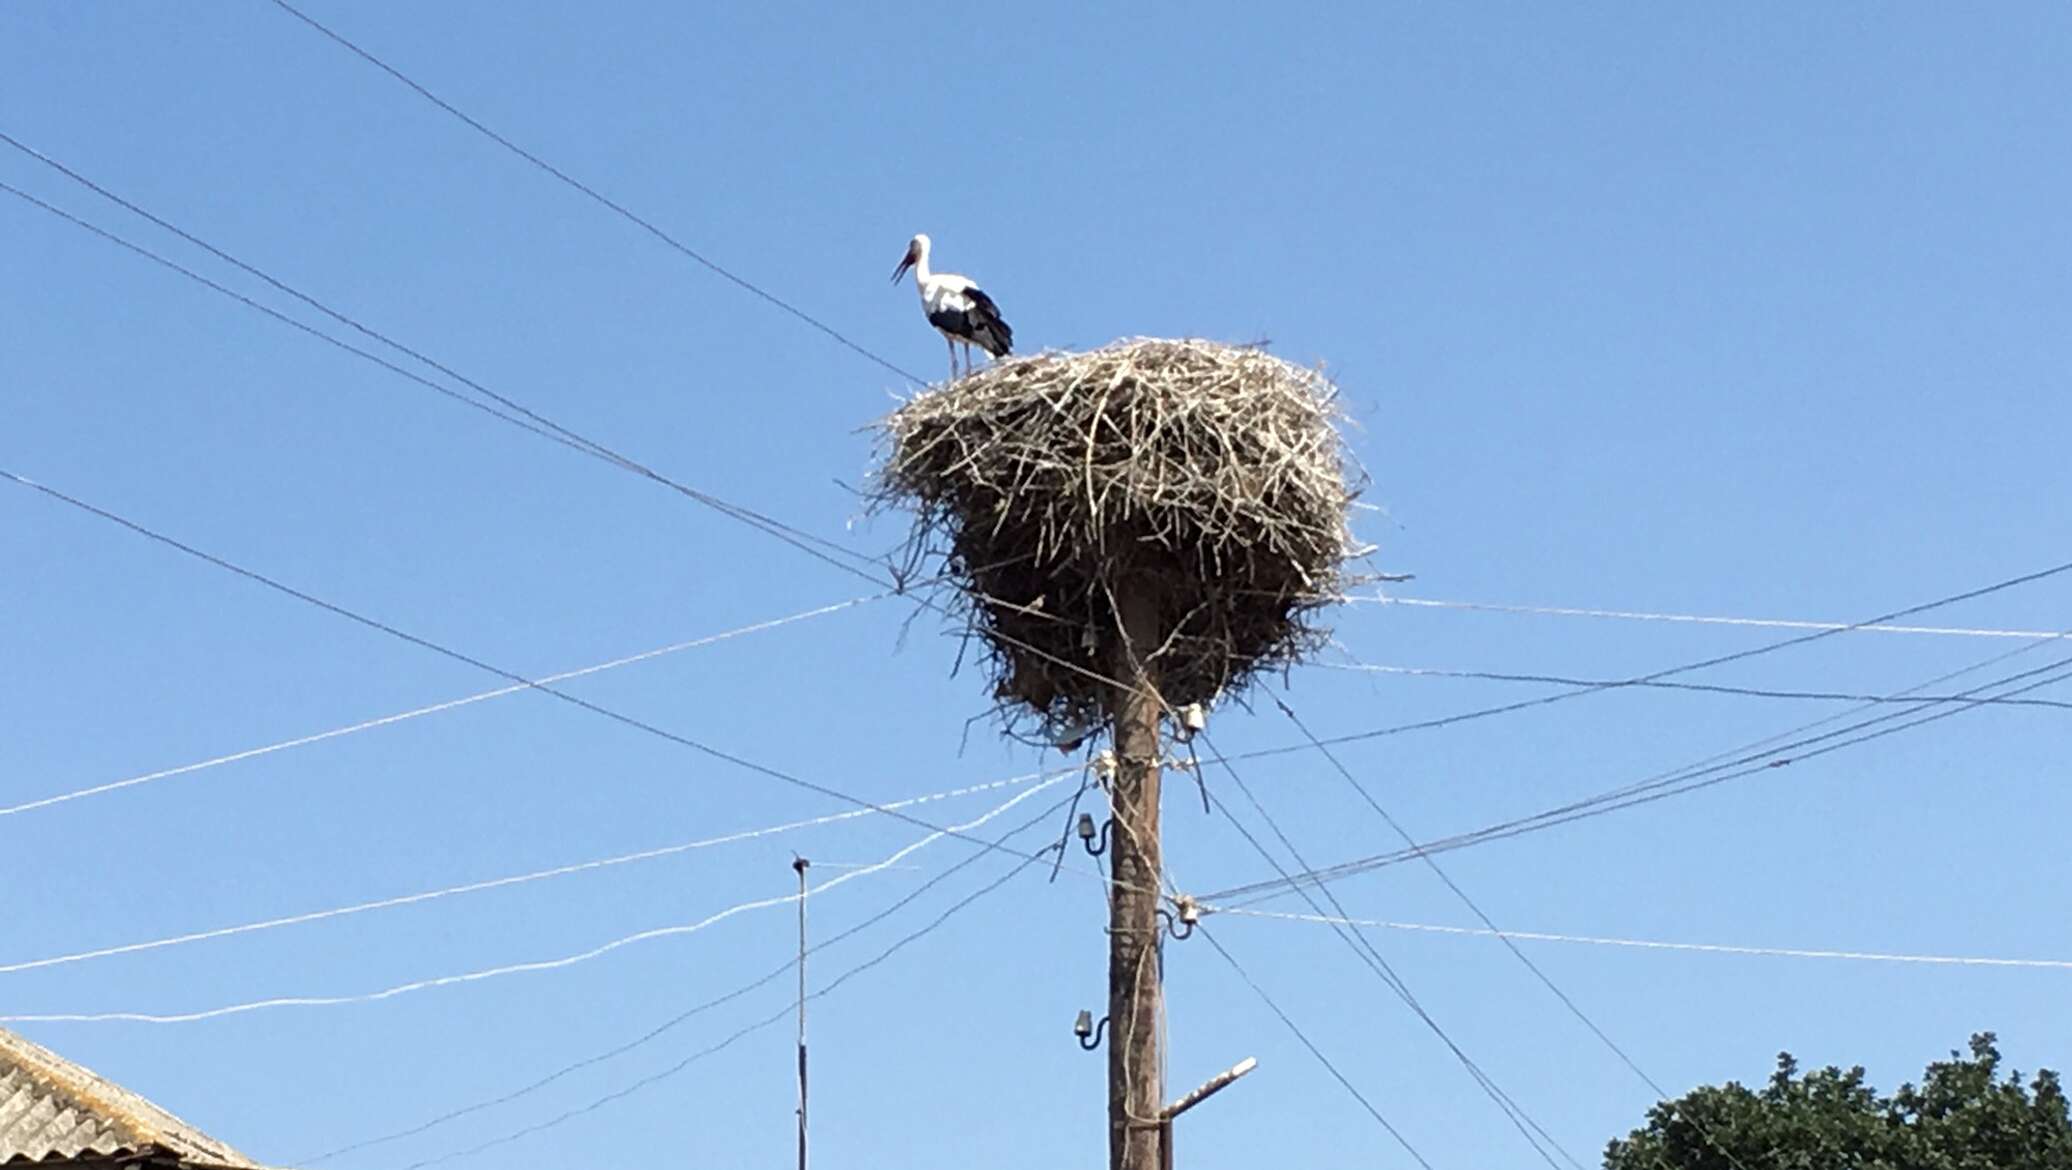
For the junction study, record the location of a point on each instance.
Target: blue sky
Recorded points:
(1754, 313)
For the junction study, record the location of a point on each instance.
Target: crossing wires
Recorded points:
(1476, 909)
(598, 197)
(469, 660)
(1777, 751)
(1531, 1130)
(788, 966)
(494, 403)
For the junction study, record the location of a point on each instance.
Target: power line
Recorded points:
(674, 1021)
(1931, 960)
(1364, 949)
(277, 315)
(573, 438)
(1664, 785)
(431, 709)
(777, 1017)
(398, 633)
(787, 778)
(1706, 688)
(554, 431)
(1707, 663)
(766, 1022)
(498, 883)
(676, 647)
(1475, 908)
(670, 850)
(526, 968)
(652, 229)
(1734, 764)
(1684, 788)
(1322, 1059)
(1460, 717)
(457, 656)
(1248, 755)
(1692, 619)
(595, 195)
(500, 406)
(1415, 850)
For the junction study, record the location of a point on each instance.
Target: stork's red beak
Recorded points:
(903, 266)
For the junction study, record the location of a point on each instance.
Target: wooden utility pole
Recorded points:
(1135, 997)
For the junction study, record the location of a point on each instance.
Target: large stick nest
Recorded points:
(1212, 476)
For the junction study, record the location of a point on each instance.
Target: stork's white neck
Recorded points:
(922, 273)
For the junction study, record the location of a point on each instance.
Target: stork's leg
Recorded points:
(953, 357)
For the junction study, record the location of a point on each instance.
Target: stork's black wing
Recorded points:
(988, 330)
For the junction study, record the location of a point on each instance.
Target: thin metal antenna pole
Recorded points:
(799, 864)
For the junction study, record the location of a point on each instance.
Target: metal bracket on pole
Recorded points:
(1088, 837)
(1209, 1088)
(1181, 926)
(1088, 1031)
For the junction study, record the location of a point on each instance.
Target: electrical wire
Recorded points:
(457, 656)
(499, 407)
(493, 883)
(779, 1016)
(595, 195)
(1747, 760)
(762, 769)
(1826, 627)
(544, 427)
(432, 709)
(1691, 619)
(1704, 688)
(533, 967)
(1300, 1035)
(1507, 708)
(1364, 949)
(1707, 663)
(777, 528)
(533, 876)
(226, 566)
(674, 849)
(785, 968)
(1930, 960)
(1662, 786)
(549, 168)
(277, 315)
(1475, 908)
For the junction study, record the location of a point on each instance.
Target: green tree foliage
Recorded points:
(1963, 1116)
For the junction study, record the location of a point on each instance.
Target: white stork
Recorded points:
(958, 309)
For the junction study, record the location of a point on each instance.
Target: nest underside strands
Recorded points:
(1212, 477)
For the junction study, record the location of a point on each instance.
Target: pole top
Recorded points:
(799, 864)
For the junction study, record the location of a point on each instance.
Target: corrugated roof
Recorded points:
(53, 1110)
